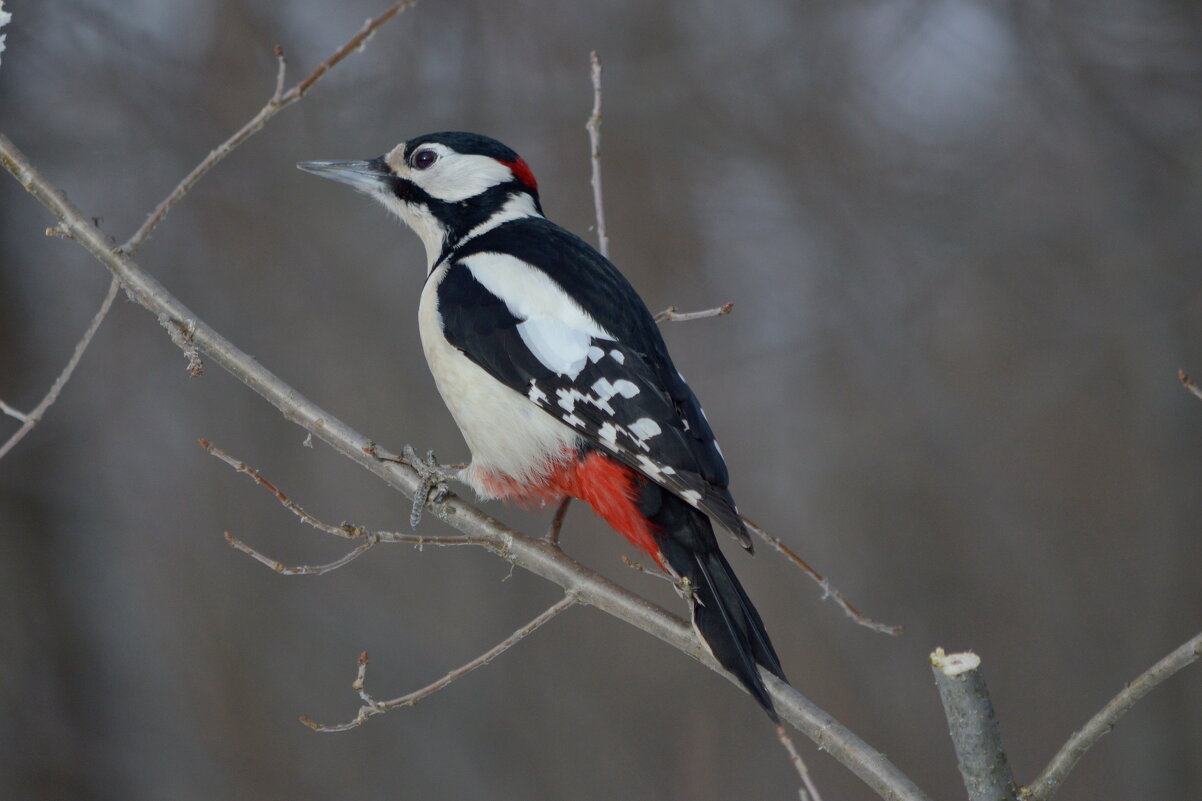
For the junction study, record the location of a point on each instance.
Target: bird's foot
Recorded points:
(433, 478)
(684, 588)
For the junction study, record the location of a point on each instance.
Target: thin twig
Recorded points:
(16, 414)
(30, 419)
(973, 727)
(275, 105)
(281, 70)
(303, 570)
(593, 125)
(371, 707)
(809, 791)
(654, 572)
(345, 531)
(594, 137)
(1188, 383)
(1053, 775)
(671, 315)
(533, 554)
(828, 589)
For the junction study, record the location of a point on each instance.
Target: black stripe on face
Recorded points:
(459, 217)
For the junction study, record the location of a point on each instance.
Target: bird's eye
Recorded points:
(423, 159)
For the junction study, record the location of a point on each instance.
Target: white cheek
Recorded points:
(456, 177)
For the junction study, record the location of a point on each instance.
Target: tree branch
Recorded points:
(672, 315)
(371, 707)
(973, 727)
(594, 137)
(277, 103)
(1052, 777)
(370, 540)
(31, 419)
(533, 554)
(346, 531)
(367, 539)
(808, 791)
(828, 589)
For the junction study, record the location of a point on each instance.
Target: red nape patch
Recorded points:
(521, 171)
(599, 481)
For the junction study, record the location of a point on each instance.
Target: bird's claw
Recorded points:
(433, 478)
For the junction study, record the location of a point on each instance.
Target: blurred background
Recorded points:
(964, 243)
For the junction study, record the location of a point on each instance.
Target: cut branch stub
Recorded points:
(973, 727)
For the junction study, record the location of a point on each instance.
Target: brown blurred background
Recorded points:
(963, 240)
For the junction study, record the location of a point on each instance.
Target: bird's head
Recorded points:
(444, 186)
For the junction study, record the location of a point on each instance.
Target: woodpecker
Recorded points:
(558, 377)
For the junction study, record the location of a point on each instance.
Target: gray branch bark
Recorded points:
(533, 554)
(973, 727)
(1099, 725)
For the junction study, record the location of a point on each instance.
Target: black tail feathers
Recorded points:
(723, 614)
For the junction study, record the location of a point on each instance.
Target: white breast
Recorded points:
(505, 431)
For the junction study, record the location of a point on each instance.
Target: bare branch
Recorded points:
(973, 727)
(593, 125)
(31, 419)
(303, 570)
(533, 554)
(1053, 775)
(345, 530)
(594, 137)
(281, 70)
(1188, 383)
(809, 791)
(275, 105)
(828, 589)
(371, 707)
(13, 413)
(671, 315)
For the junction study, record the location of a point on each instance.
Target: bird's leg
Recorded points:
(433, 479)
(557, 522)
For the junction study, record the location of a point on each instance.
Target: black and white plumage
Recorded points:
(558, 377)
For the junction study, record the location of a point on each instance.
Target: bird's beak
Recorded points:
(364, 176)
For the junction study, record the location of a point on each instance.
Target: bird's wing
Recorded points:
(527, 331)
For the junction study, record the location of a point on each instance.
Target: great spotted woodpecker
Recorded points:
(558, 377)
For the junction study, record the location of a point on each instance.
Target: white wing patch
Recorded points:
(627, 389)
(557, 331)
(561, 348)
(650, 468)
(644, 428)
(530, 294)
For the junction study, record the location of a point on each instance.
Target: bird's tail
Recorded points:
(722, 613)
